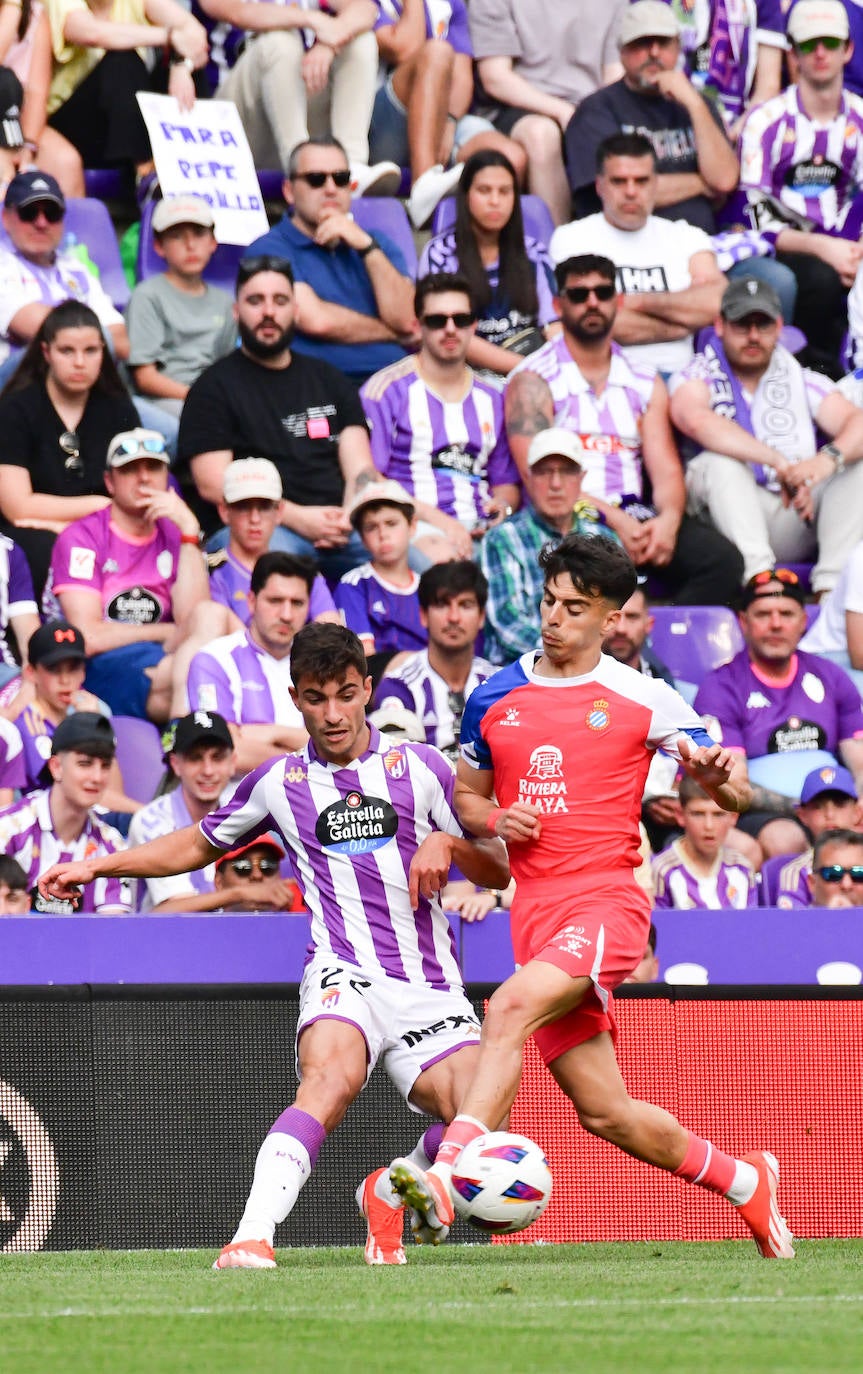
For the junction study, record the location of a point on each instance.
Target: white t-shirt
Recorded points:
(829, 635)
(653, 258)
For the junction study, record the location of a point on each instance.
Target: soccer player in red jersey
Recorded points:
(554, 754)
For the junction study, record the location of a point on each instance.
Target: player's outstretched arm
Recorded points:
(479, 813)
(721, 772)
(483, 862)
(180, 852)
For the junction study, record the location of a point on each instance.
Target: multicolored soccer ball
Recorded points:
(501, 1182)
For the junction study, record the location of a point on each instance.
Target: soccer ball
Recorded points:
(501, 1182)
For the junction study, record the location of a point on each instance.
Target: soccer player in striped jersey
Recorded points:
(372, 834)
(554, 753)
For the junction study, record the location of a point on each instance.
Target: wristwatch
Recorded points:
(369, 248)
(836, 454)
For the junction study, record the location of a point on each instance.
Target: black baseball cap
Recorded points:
(31, 186)
(87, 732)
(55, 642)
(199, 727)
(773, 582)
(750, 296)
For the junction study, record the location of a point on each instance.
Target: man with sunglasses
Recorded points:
(801, 166)
(353, 289)
(36, 273)
(583, 382)
(828, 801)
(438, 429)
(781, 710)
(836, 879)
(247, 879)
(753, 419)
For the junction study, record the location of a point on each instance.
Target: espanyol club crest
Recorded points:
(597, 717)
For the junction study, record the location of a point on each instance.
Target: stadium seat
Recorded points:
(535, 213)
(139, 754)
(89, 221)
(692, 640)
(386, 215)
(106, 183)
(769, 878)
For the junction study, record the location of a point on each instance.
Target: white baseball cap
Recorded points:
(555, 443)
(647, 19)
(174, 210)
(389, 493)
(132, 444)
(247, 478)
(818, 19)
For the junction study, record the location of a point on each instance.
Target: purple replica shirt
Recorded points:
(27, 835)
(374, 608)
(230, 583)
(164, 816)
(242, 682)
(730, 883)
(792, 884)
(16, 592)
(450, 454)
(499, 321)
(416, 685)
(351, 833)
(133, 577)
(12, 773)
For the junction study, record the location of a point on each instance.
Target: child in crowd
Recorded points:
(699, 869)
(251, 508)
(379, 600)
(177, 323)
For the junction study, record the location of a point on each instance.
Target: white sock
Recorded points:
(281, 1169)
(745, 1183)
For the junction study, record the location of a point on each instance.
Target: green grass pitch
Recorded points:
(693, 1309)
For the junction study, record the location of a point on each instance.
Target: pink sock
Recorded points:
(708, 1167)
(459, 1133)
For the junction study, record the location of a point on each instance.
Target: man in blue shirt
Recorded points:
(335, 261)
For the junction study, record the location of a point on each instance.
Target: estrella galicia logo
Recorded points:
(29, 1174)
(357, 825)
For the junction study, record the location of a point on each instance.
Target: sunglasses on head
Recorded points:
(244, 867)
(578, 295)
(49, 208)
(263, 262)
(316, 180)
(810, 44)
(71, 446)
(785, 575)
(834, 873)
(462, 319)
(156, 444)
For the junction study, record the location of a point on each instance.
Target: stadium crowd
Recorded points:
(634, 315)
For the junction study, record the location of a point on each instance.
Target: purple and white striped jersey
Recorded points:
(351, 833)
(730, 884)
(230, 583)
(236, 677)
(16, 592)
(808, 169)
(12, 772)
(374, 608)
(609, 425)
(27, 835)
(162, 817)
(792, 883)
(450, 454)
(417, 686)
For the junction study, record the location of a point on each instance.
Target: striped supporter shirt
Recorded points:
(449, 454)
(608, 425)
(730, 884)
(374, 608)
(351, 833)
(16, 592)
(417, 686)
(230, 584)
(237, 678)
(27, 835)
(12, 771)
(162, 817)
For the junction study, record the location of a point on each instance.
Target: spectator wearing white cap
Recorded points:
(509, 553)
(178, 324)
(251, 510)
(695, 162)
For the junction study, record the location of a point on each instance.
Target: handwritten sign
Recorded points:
(204, 152)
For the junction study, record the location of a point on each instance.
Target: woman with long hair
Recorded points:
(58, 413)
(510, 273)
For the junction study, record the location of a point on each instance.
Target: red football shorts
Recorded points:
(602, 936)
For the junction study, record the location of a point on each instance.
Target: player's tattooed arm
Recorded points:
(529, 408)
(764, 799)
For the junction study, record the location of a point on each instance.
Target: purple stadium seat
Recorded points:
(386, 215)
(91, 225)
(535, 213)
(770, 878)
(692, 640)
(106, 183)
(139, 754)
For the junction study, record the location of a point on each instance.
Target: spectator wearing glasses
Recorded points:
(434, 683)
(828, 801)
(36, 273)
(836, 879)
(267, 400)
(801, 159)
(438, 429)
(248, 879)
(58, 414)
(784, 711)
(754, 420)
(353, 291)
(132, 577)
(199, 752)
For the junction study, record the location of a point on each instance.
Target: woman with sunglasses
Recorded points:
(509, 271)
(58, 412)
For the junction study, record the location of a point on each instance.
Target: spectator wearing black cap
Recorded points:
(753, 417)
(60, 823)
(199, 752)
(248, 879)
